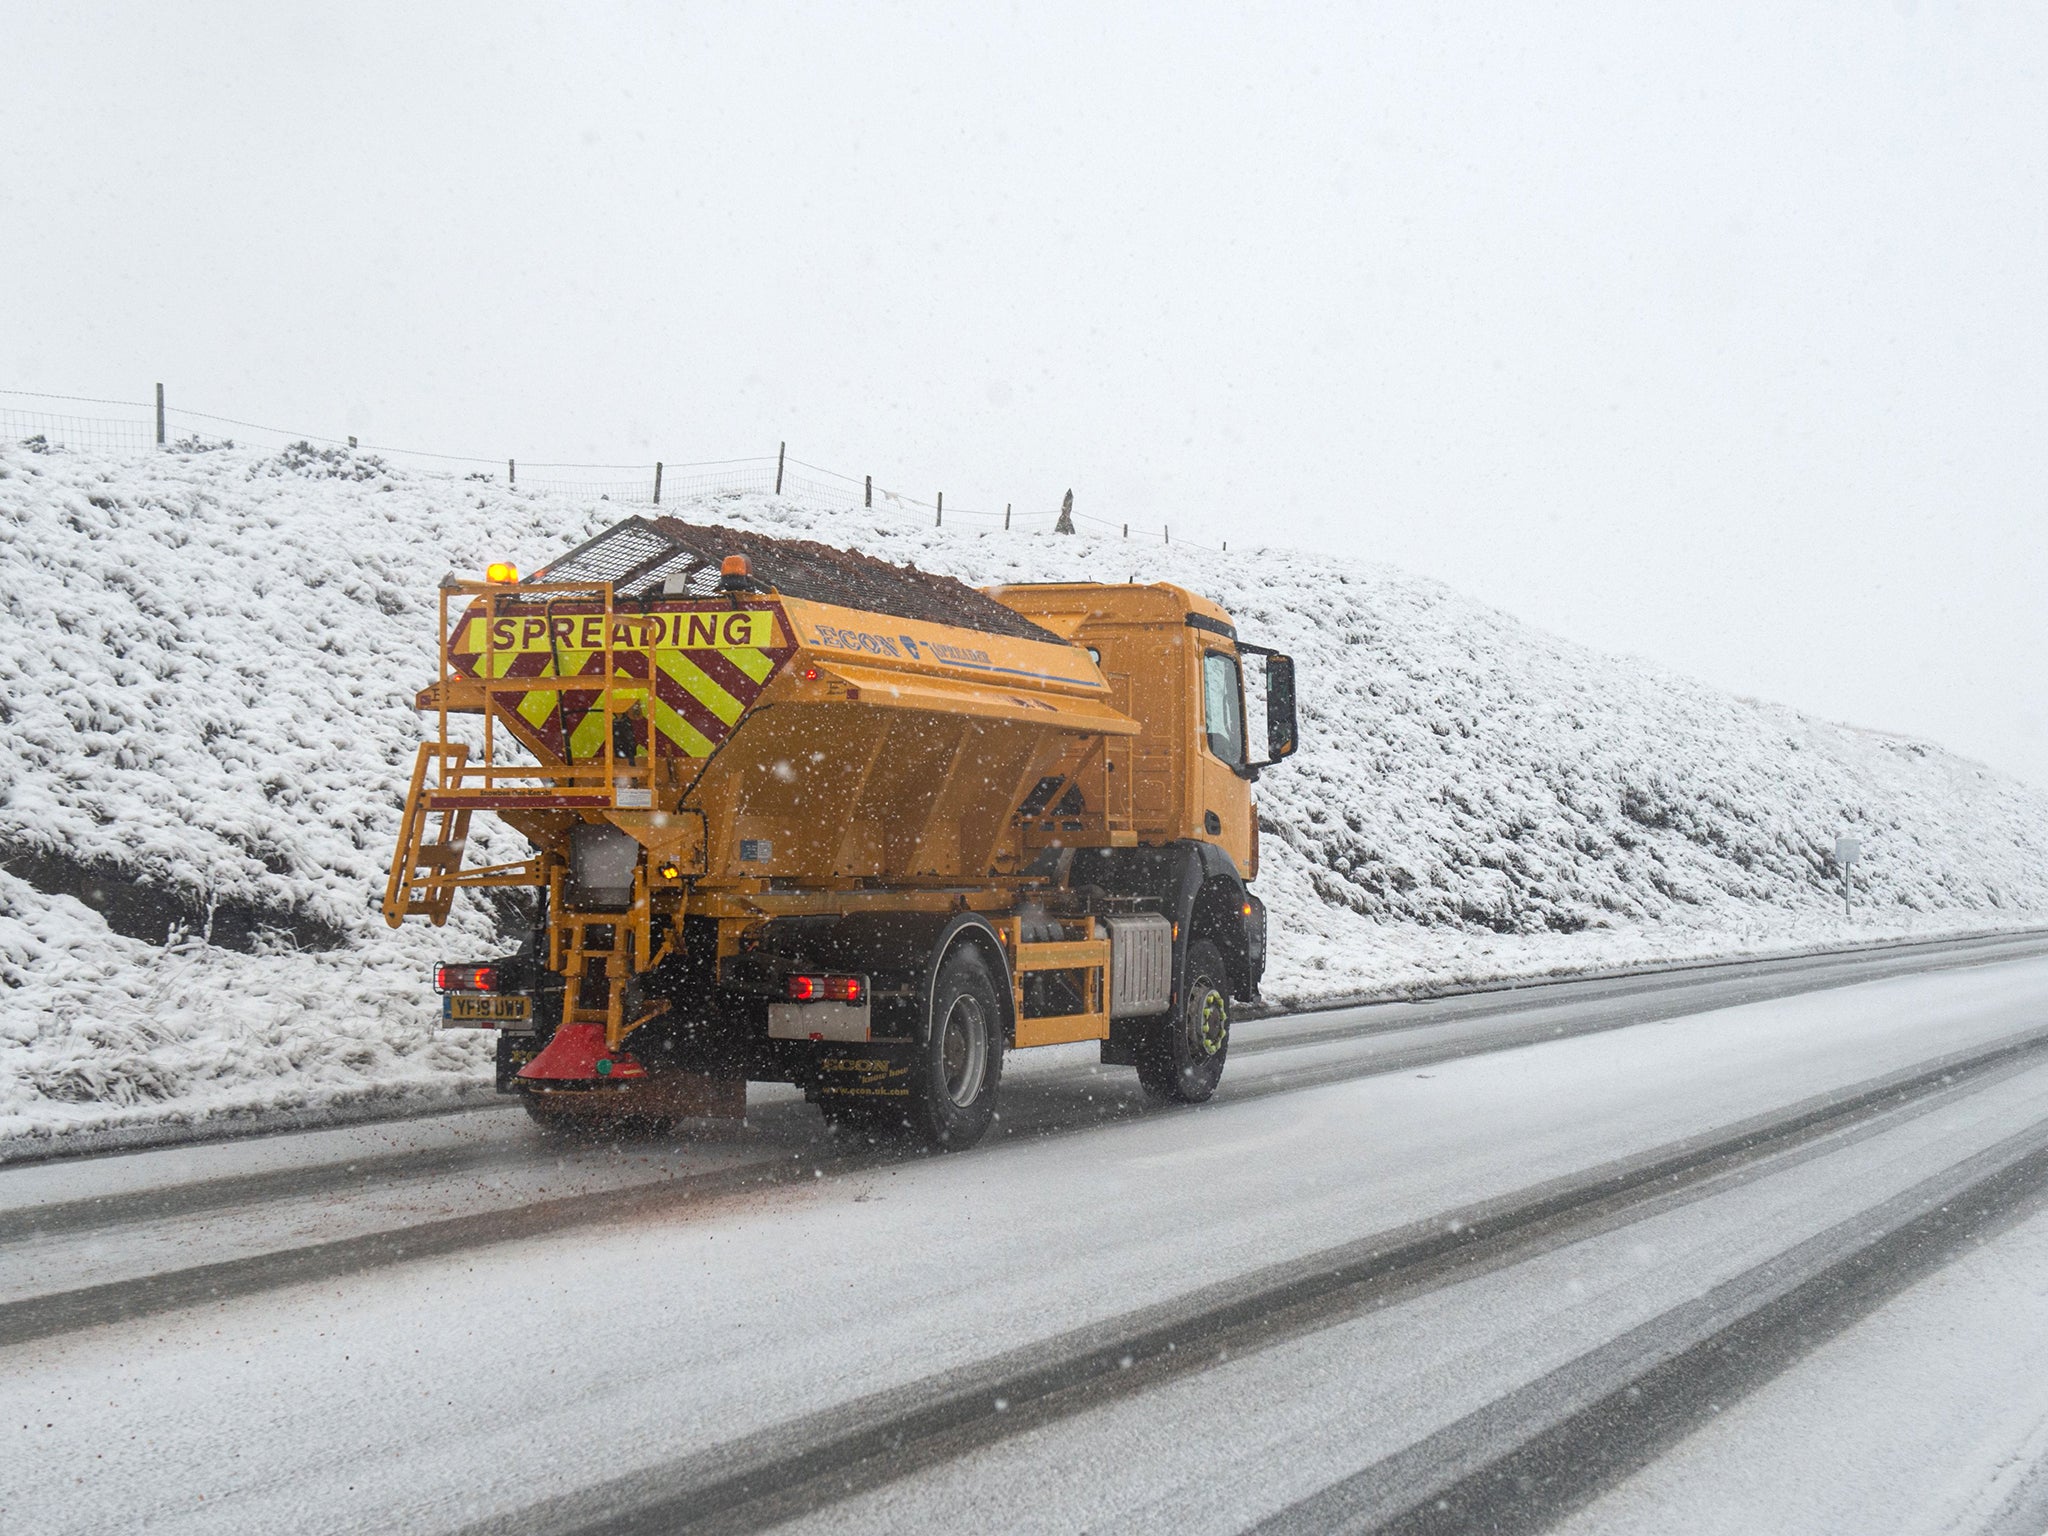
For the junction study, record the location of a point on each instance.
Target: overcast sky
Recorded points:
(1718, 336)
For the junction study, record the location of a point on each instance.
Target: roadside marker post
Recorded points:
(1847, 851)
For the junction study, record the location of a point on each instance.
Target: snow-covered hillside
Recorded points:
(206, 668)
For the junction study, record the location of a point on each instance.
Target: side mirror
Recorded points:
(1281, 739)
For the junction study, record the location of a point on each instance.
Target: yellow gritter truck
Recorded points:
(798, 815)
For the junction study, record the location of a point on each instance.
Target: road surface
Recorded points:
(1757, 1247)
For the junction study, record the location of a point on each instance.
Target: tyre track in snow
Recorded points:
(1466, 1025)
(93, 1306)
(1529, 1458)
(809, 1464)
(796, 1148)
(1732, 983)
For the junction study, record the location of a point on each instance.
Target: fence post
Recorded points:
(1006, 517)
(871, 492)
(159, 415)
(942, 511)
(779, 452)
(511, 471)
(1127, 530)
(1165, 534)
(657, 482)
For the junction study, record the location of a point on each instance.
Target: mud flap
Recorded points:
(514, 1052)
(877, 1072)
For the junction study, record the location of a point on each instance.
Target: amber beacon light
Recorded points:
(502, 571)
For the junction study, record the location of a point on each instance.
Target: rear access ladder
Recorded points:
(426, 866)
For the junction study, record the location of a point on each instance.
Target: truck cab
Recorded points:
(1174, 663)
(1178, 795)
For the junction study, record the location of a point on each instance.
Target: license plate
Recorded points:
(482, 1008)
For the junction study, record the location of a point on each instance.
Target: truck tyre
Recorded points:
(960, 1056)
(1181, 1057)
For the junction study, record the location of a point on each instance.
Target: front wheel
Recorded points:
(960, 1056)
(1181, 1057)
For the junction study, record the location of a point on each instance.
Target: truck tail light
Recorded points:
(835, 989)
(466, 978)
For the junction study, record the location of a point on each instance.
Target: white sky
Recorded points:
(1719, 336)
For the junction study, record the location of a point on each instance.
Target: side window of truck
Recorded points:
(1222, 707)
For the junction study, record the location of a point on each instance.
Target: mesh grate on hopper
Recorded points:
(640, 557)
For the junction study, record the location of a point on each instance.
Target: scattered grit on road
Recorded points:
(1919, 1077)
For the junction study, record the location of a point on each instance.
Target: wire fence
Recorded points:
(46, 422)
(33, 423)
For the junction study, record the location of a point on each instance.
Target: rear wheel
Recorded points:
(960, 1056)
(1181, 1058)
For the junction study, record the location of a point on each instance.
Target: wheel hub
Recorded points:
(1211, 1022)
(963, 1050)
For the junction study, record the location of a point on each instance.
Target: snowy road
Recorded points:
(1612, 1256)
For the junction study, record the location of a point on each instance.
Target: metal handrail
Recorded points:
(486, 768)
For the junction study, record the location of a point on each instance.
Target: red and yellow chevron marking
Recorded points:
(693, 668)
